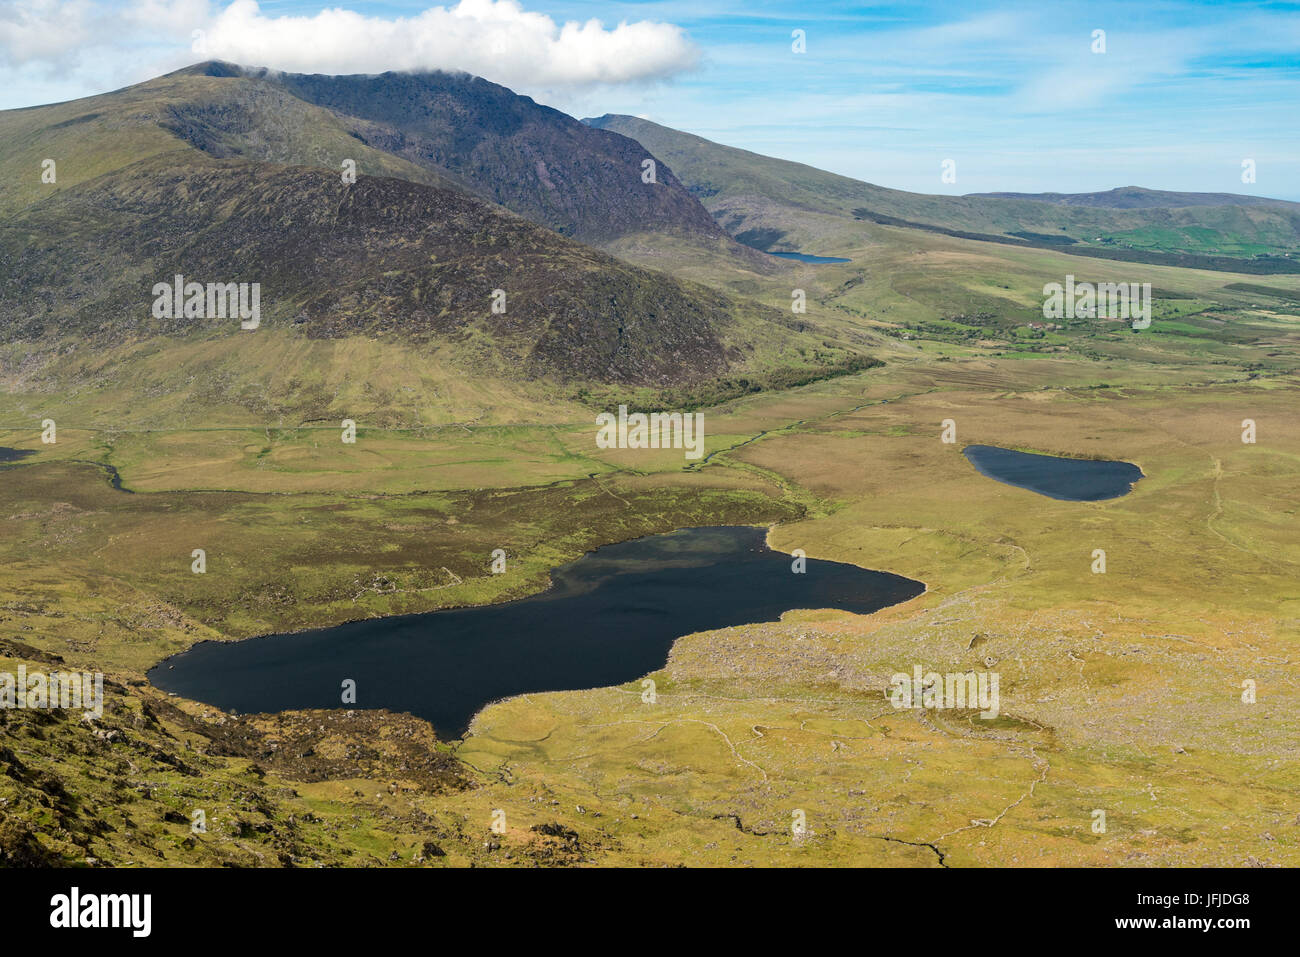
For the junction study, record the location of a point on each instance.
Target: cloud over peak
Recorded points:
(496, 39)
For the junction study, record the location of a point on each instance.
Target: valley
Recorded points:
(1158, 688)
(750, 722)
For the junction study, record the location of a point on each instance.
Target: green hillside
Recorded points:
(233, 178)
(771, 204)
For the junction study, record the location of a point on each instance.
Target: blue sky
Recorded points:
(1012, 92)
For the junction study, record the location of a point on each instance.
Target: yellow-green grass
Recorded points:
(1120, 692)
(270, 378)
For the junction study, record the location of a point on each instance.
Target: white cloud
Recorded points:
(169, 17)
(56, 49)
(47, 32)
(496, 39)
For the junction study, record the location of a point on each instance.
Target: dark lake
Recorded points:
(14, 455)
(609, 618)
(1073, 480)
(805, 258)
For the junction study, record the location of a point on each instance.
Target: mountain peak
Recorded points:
(219, 68)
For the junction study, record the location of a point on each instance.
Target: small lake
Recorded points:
(14, 455)
(805, 258)
(609, 618)
(1071, 480)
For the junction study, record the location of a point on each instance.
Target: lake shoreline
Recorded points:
(1063, 478)
(688, 575)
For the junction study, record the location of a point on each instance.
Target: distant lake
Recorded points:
(805, 258)
(14, 455)
(1073, 480)
(609, 618)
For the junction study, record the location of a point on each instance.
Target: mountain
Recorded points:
(227, 179)
(383, 256)
(532, 159)
(781, 205)
(184, 116)
(1136, 197)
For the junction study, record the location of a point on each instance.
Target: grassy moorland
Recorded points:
(1121, 692)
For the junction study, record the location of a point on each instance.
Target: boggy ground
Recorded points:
(1120, 692)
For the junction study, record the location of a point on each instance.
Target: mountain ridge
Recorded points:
(778, 204)
(505, 147)
(1141, 197)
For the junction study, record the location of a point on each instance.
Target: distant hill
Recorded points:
(1136, 197)
(776, 204)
